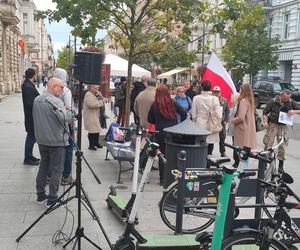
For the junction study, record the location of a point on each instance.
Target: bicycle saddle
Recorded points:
(216, 161)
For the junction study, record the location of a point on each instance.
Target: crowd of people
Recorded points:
(152, 105)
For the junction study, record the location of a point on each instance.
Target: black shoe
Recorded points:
(35, 159)
(31, 163)
(99, 146)
(42, 199)
(93, 148)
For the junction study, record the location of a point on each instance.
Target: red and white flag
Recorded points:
(218, 76)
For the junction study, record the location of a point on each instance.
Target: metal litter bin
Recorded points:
(187, 136)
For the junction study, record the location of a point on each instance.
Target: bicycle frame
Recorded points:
(289, 232)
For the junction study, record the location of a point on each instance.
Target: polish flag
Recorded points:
(218, 76)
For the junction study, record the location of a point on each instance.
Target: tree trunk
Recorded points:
(128, 90)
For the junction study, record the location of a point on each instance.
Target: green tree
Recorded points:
(139, 27)
(173, 54)
(65, 58)
(248, 47)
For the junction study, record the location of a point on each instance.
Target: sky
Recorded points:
(59, 32)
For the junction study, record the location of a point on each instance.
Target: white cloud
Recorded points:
(44, 4)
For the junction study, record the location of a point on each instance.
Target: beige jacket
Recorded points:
(143, 103)
(91, 112)
(244, 126)
(202, 104)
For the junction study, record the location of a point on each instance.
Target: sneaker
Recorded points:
(41, 199)
(35, 159)
(52, 202)
(67, 181)
(31, 163)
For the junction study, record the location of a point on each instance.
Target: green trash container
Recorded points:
(187, 136)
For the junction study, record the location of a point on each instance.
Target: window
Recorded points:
(286, 25)
(25, 23)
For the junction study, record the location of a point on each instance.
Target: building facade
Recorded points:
(24, 43)
(284, 21)
(9, 35)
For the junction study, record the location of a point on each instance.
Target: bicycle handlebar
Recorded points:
(244, 153)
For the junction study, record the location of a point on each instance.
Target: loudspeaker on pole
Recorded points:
(87, 67)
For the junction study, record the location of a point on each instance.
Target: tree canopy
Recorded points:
(248, 47)
(65, 58)
(139, 27)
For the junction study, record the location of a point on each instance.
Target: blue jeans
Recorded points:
(69, 156)
(29, 143)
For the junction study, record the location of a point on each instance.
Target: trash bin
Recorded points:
(187, 136)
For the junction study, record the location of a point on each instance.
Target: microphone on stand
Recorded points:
(54, 106)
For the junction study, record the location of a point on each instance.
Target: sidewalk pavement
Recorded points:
(17, 191)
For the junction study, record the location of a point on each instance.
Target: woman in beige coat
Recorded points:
(201, 106)
(244, 120)
(91, 113)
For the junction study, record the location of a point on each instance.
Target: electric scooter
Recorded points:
(157, 242)
(117, 202)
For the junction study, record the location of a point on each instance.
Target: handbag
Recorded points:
(214, 122)
(258, 122)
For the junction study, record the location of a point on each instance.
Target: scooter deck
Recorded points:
(118, 205)
(164, 242)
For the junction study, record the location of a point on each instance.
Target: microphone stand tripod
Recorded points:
(78, 189)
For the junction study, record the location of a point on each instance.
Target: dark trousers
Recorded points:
(29, 143)
(69, 156)
(235, 156)
(121, 116)
(93, 139)
(52, 161)
(210, 148)
(222, 136)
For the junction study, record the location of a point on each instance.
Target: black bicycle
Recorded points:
(281, 222)
(196, 219)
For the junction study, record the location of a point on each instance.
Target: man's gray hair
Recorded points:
(152, 82)
(61, 74)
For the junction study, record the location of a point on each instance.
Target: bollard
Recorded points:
(181, 156)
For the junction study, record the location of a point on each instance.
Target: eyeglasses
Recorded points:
(181, 91)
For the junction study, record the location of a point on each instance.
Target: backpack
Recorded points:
(119, 92)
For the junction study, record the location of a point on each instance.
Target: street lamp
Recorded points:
(69, 46)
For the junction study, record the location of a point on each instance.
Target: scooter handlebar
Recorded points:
(162, 158)
(246, 174)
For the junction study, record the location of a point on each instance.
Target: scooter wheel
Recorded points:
(124, 244)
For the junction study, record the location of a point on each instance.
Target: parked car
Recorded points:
(264, 91)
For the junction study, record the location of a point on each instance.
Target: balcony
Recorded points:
(267, 4)
(9, 12)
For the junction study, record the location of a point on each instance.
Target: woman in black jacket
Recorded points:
(162, 113)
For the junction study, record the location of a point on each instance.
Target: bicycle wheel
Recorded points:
(194, 219)
(249, 241)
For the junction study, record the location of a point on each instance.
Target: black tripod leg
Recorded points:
(94, 244)
(50, 209)
(75, 243)
(96, 217)
(70, 240)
